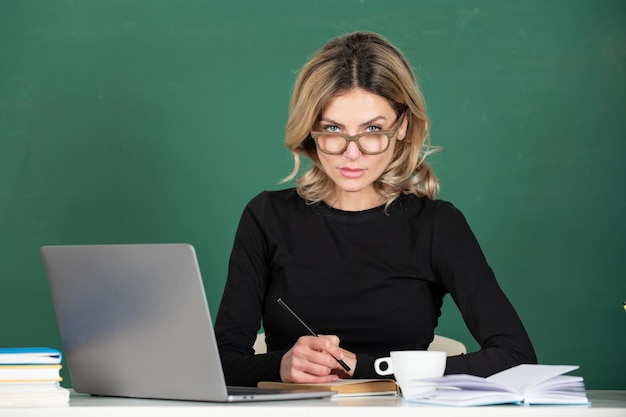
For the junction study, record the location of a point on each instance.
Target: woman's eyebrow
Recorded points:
(364, 124)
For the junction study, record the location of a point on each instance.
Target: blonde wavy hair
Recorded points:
(368, 61)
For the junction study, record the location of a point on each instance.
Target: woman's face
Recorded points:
(352, 112)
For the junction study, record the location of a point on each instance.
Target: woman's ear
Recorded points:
(404, 126)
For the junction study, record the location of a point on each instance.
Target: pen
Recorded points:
(290, 311)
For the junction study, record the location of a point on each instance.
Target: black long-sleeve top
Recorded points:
(374, 278)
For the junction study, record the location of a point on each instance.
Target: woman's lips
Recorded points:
(351, 172)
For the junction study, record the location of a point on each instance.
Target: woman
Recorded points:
(361, 249)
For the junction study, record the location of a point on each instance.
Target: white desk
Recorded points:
(604, 404)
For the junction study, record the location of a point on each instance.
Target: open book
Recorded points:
(344, 387)
(522, 384)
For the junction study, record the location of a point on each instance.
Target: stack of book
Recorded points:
(31, 376)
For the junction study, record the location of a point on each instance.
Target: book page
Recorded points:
(469, 382)
(523, 378)
(464, 398)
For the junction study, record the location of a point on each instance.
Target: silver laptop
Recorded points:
(134, 322)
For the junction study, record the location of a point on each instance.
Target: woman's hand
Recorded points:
(312, 360)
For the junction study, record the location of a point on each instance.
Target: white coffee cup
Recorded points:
(409, 366)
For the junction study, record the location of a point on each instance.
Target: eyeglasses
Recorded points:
(369, 143)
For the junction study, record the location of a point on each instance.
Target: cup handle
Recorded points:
(381, 372)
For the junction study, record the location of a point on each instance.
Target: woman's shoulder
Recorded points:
(443, 217)
(426, 205)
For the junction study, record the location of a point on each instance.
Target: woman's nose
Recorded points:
(352, 151)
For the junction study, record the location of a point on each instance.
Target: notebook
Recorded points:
(134, 322)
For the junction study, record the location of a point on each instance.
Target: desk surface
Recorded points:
(604, 403)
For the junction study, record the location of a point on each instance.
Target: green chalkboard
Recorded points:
(156, 121)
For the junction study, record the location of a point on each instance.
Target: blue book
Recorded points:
(29, 356)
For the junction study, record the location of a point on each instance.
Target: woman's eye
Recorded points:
(373, 129)
(331, 128)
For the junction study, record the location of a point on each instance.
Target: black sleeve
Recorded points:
(239, 315)
(460, 264)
